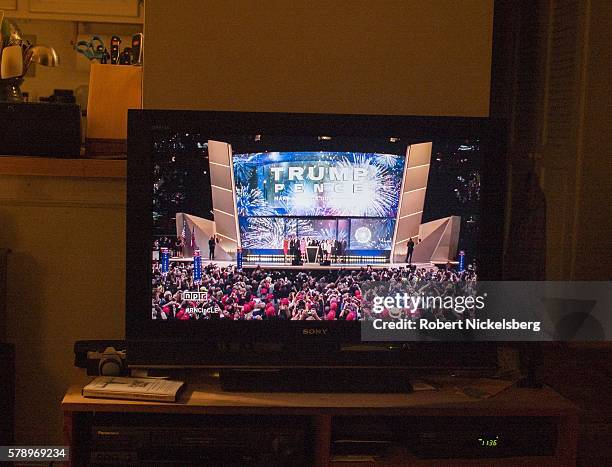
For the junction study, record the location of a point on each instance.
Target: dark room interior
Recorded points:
(211, 211)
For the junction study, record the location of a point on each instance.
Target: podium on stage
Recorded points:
(311, 253)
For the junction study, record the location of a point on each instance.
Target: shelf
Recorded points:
(51, 167)
(95, 11)
(207, 397)
(324, 417)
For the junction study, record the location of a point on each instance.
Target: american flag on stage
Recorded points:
(194, 244)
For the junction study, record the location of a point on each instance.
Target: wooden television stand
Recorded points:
(514, 427)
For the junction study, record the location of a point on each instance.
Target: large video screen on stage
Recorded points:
(340, 196)
(350, 184)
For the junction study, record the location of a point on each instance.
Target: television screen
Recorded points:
(283, 228)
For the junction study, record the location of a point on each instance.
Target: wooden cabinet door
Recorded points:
(122, 8)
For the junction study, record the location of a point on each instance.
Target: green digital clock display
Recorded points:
(488, 441)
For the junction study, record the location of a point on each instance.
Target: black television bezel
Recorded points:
(148, 340)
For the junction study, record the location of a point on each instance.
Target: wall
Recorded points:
(341, 56)
(66, 283)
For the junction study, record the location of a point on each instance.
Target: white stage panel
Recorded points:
(412, 199)
(223, 194)
(219, 176)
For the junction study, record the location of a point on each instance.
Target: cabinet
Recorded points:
(515, 427)
(103, 11)
(128, 8)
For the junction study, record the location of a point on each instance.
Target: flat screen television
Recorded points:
(301, 211)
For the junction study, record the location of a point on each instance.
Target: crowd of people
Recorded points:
(296, 248)
(258, 294)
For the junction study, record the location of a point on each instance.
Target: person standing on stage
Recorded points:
(285, 249)
(303, 248)
(409, 251)
(211, 248)
(180, 244)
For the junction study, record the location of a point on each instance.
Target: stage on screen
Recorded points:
(354, 207)
(293, 228)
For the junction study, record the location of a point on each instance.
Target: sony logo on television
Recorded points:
(313, 332)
